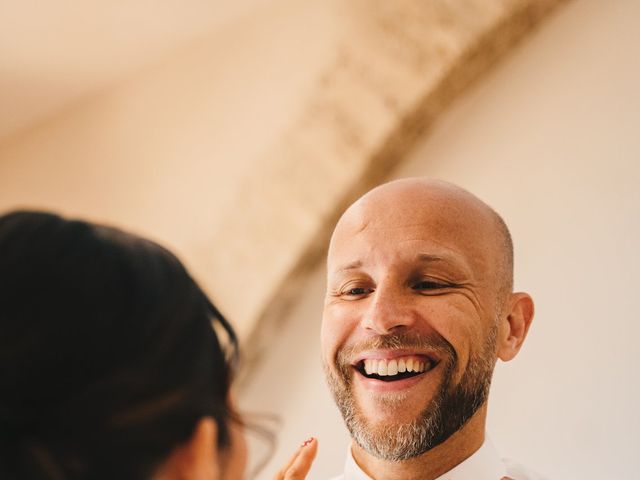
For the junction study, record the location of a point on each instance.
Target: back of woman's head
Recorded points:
(108, 357)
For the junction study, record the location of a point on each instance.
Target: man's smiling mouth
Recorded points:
(394, 369)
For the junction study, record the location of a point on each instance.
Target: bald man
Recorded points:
(419, 307)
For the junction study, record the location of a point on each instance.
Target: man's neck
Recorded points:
(433, 463)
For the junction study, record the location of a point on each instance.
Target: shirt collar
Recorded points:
(484, 464)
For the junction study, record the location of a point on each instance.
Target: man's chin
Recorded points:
(389, 437)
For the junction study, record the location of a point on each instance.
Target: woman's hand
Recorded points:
(299, 465)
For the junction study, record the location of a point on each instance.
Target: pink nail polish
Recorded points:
(307, 442)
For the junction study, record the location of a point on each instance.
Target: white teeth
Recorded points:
(370, 366)
(392, 369)
(383, 367)
(402, 367)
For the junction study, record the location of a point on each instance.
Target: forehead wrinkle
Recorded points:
(363, 226)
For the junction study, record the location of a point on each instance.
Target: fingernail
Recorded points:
(307, 442)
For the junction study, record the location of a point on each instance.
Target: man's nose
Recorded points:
(388, 312)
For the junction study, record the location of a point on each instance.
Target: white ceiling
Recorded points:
(53, 53)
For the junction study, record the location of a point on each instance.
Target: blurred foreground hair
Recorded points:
(108, 353)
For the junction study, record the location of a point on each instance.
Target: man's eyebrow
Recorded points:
(427, 258)
(349, 266)
(450, 262)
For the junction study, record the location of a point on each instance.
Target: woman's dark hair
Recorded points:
(108, 354)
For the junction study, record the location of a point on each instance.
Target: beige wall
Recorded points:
(550, 139)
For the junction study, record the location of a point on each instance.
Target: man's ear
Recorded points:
(198, 458)
(515, 325)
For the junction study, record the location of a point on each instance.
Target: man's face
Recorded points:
(409, 323)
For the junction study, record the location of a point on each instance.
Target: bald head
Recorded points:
(457, 219)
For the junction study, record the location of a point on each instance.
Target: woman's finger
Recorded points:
(281, 472)
(302, 460)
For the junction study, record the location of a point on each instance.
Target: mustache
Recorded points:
(432, 342)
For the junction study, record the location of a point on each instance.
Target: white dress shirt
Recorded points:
(484, 464)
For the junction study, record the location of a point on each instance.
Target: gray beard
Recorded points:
(445, 414)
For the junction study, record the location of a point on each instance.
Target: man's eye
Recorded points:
(428, 285)
(357, 291)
